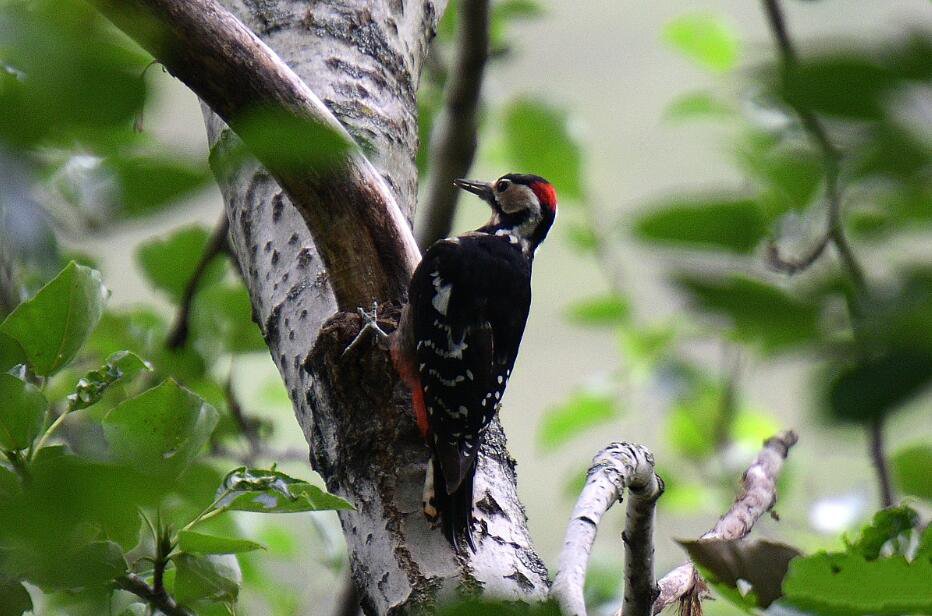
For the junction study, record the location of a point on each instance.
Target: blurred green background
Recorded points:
(637, 330)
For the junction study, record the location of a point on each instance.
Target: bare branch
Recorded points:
(875, 440)
(758, 496)
(453, 141)
(793, 265)
(217, 244)
(163, 601)
(358, 228)
(835, 232)
(618, 466)
(830, 157)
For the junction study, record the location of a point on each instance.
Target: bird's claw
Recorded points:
(370, 326)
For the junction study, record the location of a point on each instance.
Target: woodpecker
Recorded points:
(459, 334)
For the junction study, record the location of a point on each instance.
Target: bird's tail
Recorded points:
(455, 507)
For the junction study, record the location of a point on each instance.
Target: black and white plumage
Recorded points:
(460, 332)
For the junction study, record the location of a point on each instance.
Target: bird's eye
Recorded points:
(502, 185)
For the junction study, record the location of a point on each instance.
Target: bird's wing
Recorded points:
(470, 300)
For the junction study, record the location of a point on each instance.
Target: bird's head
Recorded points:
(523, 206)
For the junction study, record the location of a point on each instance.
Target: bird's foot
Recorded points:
(370, 320)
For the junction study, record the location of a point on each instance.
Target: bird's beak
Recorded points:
(482, 189)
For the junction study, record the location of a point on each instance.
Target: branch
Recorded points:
(830, 156)
(758, 496)
(453, 140)
(835, 232)
(358, 228)
(216, 244)
(163, 601)
(618, 466)
(875, 440)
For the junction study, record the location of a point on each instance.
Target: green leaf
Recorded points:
(846, 584)
(190, 541)
(215, 577)
(52, 326)
(584, 410)
(911, 467)
(603, 310)
(161, 430)
(83, 80)
(790, 178)
(271, 491)
(887, 525)
(148, 183)
(93, 564)
(11, 354)
(580, 236)
(92, 386)
(22, 409)
(815, 83)
(222, 313)
(691, 424)
(735, 225)
(538, 141)
(761, 563)
(760, 314)
(877, 386)
(706, 39)
(282, 141)
(170, 263)
(697, 106)
(14, 598)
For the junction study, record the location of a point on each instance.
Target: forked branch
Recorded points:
(615, 468)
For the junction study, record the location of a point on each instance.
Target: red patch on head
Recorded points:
(545, 194)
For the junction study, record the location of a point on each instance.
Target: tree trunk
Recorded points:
(363, 60)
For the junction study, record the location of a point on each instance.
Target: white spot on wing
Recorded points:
(441, 300)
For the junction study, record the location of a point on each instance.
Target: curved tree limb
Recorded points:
(758, 496)
(453, 140)
(618, 466)
(360, 231)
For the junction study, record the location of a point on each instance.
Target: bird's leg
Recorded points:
(370, 325)
(429, 498)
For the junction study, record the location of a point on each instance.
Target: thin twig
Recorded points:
(758, 496)
(216, 244)
(830, 157)
(162, 601)
(618, 466)
(835, 232)
(453, 141)
(875, 438)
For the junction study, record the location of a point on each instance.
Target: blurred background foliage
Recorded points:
(126, 423)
